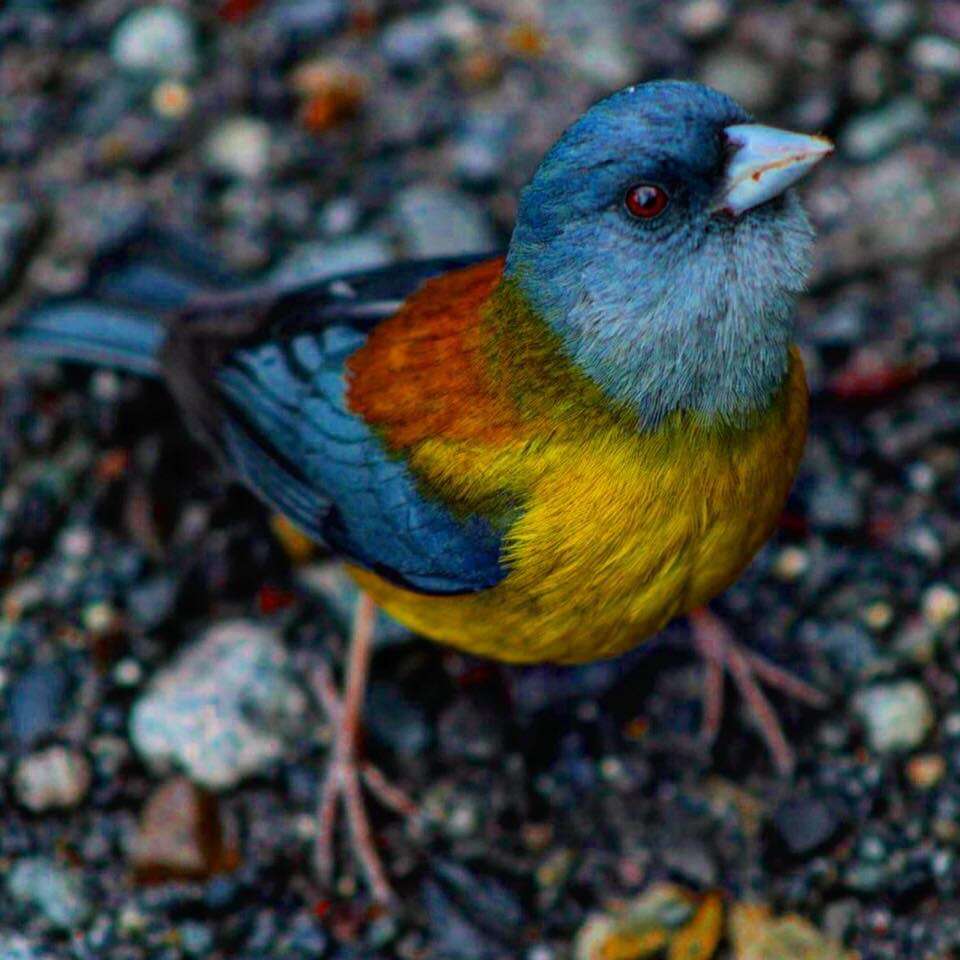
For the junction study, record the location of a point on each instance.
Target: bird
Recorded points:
(542, 456)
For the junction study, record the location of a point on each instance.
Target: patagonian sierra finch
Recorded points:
(541, 457)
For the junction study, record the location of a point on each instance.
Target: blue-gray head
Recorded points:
(660, 240)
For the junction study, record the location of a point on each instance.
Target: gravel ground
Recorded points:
(159, 751)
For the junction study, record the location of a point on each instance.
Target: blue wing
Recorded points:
(290, 435)
(259, 374)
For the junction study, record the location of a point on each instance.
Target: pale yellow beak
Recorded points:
(763, 162)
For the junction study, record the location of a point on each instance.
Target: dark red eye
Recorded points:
(646, 201)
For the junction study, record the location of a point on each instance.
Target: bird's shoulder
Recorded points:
(425, 374)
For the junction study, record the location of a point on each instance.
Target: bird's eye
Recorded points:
(646, 201)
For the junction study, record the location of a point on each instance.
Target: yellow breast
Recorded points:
(619, 532)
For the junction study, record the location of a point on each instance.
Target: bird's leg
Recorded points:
(346, 770)
(722, 654)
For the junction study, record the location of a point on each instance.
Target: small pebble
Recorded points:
(941, 604)
(877, 615)
(791, 563)
(56, 892)
(239, 148)
(749, 80)
(758, 935)
(128, 673)
(332, 94)
(595, 39)
(309, 262)
(555, 868)
(690, 861)
(171, 99)
(435, 221)
(482, 147)
(805, 826)
(888, 20)
(301, 21)
(55, 778)
(13, 946)
(897, 716)
(869, 135)
(180, 836)
(700, 19)
(100, 618)
(541, 951)
(160, 39)
(197, 939)
(412, 42)
(659, 922)
(453, 934)
(937, 54)
(926, 770)
(76, 543)
(835, 504)
(36, 702)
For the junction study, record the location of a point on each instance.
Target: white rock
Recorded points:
(224, 710)
(897, 716)
(159, 39)
(239, 147)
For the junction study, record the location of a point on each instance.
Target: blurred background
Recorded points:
(565, 813)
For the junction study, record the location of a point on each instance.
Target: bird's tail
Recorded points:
(118, 319)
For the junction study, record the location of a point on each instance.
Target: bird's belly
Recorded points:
(603, 558)
(618, 536)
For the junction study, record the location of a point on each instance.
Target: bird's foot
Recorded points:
(347, 772)
(748, 670)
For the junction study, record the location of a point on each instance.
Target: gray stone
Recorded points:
(437, 221)
(870, 135)
(887, 20)
(804, 826)
(937, 54)
(311, 262)
(305, 20)
(15, 947)
(224, 710)
(843, 322)
(413, 41)
(196, 938)
(749, 80)
(339, 216)
(159, 39)
(700, 19)
(35, 702)
(594, 38)
(897, 716)
(52, 889)
(848, 647)
(903, 207)
(481, 150)
(688, 859)
(835, 505)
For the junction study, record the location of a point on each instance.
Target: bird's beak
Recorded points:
(762, 162)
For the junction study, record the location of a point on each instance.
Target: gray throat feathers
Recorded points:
(719, 361)
(722, 354)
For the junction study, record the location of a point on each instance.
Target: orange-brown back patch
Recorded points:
(423, 373)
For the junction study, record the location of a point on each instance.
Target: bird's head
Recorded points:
(661, 241)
